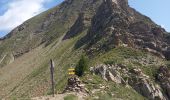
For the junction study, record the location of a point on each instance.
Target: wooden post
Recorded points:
(52, 76)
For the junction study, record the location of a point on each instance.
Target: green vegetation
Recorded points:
(168, 64)
(109, 62)
(130, 57)
(82, 66)
(71, 97)
(110, 90)
(65, 55)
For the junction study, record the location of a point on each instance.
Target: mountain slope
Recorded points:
(113, 26)
(45, 27)
(107, 31)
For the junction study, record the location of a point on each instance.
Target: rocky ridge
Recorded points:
(135, 78)
(116, 24)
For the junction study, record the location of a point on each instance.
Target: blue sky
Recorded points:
(15, 12)
(157, 10)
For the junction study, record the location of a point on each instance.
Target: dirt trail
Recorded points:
(60, 96)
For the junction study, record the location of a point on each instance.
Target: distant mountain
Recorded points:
(109, 32)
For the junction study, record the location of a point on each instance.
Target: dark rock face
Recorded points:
(164, 79)
(168, 38)
(139, 27)
(157, 31)
(81, 24)
(167, 54)
(108, 26)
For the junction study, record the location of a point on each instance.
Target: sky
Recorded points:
(15, 12)
(157, 10)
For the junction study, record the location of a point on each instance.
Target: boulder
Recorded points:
(141, 83)
(147, 89)
(100, 70)
(113, 76)
(108, 73)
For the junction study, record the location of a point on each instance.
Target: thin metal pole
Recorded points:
(52, 76)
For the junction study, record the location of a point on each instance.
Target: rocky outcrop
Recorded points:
(150, 38)
(119, 3)
(164, 79)
(142, 84)
(74, 85)
(156, 53)
(148, 90)
(135, 78)
(108, 73)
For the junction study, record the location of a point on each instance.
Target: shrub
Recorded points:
(81, 66)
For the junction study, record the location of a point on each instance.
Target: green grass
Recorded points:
(71, 97)
(64, 56)
(168, 64)
(129, 57)
(60, 85)
(110, 62)
(112, 92)
(92, 81)
(117, 55)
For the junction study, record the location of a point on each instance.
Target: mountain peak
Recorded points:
(120, 3)
(116, 5)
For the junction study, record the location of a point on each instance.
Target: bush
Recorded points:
(81, 66)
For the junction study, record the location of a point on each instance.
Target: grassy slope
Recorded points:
(29, 75)
(27, 39)
(32, 67)
(130, 57)
(112, 92)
